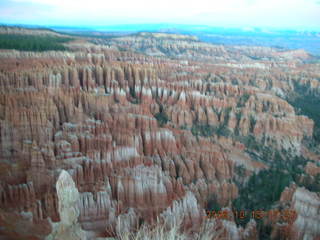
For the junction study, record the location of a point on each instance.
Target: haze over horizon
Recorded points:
(287, 14)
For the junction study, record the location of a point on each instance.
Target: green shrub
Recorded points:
(223, 130)
(135, 99)
(162, 118)
(184, 127)
(226, 115)
(206, 130)
(243, 99)
(253, 122)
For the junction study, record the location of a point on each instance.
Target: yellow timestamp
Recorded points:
(287, 215)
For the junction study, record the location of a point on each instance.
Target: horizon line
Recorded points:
(96, 27)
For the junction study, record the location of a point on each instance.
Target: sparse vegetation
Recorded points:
(206, 130)
(223, 130)
(311, 183)
(307, 102)
(226, 115)
(264, 189)
(159, 232)
(135, 99)
(33, 43)
(240, 175)
(243, 99)
(161, 117)
(240, 170)
(184, 127)
(252, 123)
(255, 147)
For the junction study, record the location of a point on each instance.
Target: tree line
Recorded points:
(33, 43)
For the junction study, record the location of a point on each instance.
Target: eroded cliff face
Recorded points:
(82, 148)
(306, 205)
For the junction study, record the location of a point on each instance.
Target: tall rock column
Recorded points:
(68, 197)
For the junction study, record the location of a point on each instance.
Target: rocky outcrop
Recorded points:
(312, 169)
(68, 197)
(306, 205)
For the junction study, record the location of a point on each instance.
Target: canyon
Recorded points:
(116, 133)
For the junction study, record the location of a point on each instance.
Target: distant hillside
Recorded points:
(28, 31)
(32, 39)
(280, 38)
(171, 36)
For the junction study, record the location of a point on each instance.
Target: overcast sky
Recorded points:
(294, 14)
